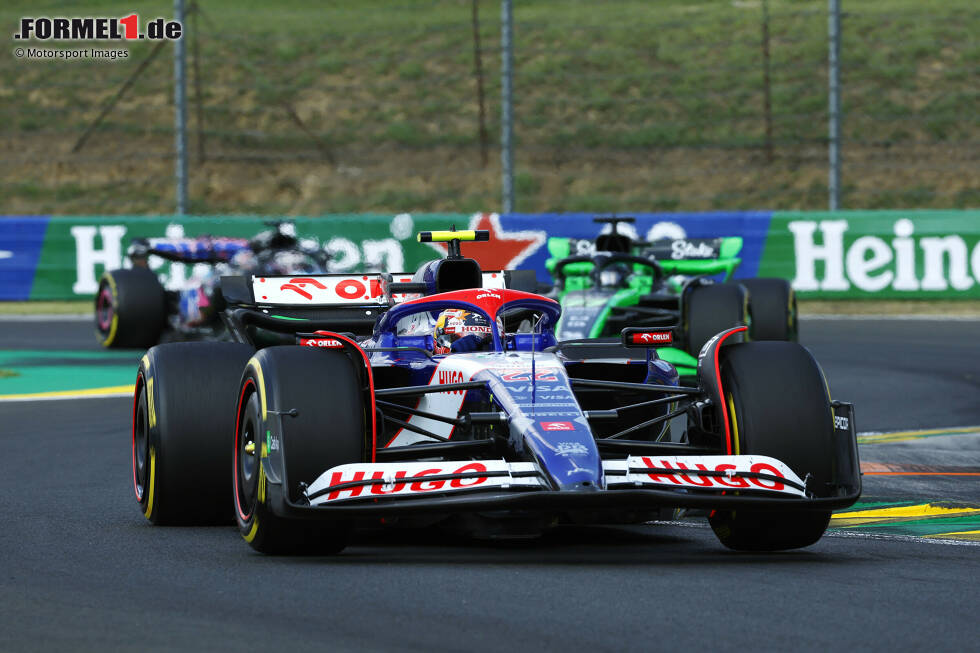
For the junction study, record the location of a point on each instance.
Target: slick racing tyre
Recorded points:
(275, 452)
(130, 309)
(772, 307)
(710, 310)
(778, 406)
(183, 427)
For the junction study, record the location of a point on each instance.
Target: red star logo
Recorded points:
(505, 251)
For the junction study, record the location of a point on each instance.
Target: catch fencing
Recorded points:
(618, 105)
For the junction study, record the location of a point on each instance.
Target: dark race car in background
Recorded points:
(354, 421)
(133, 309)
(616, 281)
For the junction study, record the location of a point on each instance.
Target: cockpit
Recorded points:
(496, 320)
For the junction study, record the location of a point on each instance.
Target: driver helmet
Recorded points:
(614, 276)
(461, 330)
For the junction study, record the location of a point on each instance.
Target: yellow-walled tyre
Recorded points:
(183, 427)
(711, 309)
(130, 309)
(772, 307)
(326, 389)
(778, 406)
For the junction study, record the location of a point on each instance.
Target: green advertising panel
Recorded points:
(905, 254)
(844, 254)
(76, 250)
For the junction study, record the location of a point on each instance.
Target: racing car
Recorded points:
(616, 281)
(132, 308)
(448, 400)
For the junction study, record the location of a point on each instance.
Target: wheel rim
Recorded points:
(141, 445)
(103, 309)
(246, 457)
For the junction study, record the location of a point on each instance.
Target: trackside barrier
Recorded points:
(876, 254)
(846, 254)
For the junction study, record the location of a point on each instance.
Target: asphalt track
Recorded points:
(82, 570)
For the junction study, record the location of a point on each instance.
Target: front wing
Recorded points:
(368, 489)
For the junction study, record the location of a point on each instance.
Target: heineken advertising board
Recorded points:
(845, 254)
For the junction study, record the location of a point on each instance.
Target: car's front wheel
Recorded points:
(778, 406)
(301, 411)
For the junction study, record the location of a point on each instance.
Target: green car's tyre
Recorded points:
(710, 310)
(183, 426)
(772, 307)
(130, 309)
(328, 429)
(779, 407)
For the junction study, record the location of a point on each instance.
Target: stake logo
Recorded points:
(127, 28)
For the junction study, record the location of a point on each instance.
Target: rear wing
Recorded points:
(686, 256)
(692, 249)
(288, 304)
(339, 290)
(693, 256)
(308, 291)
(350, 303)
(188, 250)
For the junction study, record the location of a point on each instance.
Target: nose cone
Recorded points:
(569, 457)
(546, 419)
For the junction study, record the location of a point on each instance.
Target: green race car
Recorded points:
(616, 281)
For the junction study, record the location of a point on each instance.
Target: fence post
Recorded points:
(766, 82)
(480, 97)
(180, 110)
(506, 102)
(198, 106)
(833, 95)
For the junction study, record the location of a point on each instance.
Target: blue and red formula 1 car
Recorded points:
(459, 407)
(133, 309)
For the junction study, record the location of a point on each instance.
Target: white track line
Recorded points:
(107, 395)
(833, 532)
(899, 318)
(48, 317)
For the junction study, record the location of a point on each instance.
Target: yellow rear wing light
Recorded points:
(449, 236)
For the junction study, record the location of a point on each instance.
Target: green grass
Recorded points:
(602, 91)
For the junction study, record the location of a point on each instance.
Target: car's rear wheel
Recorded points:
(778, 406)
(130, 309)
(183, 422)
(329, 428)
(710, 310)
(772, 306)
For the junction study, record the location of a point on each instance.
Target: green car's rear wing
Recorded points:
(685, 256)
(696, 256)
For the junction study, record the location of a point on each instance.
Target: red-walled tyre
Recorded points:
(330, 428)
(779, 407)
